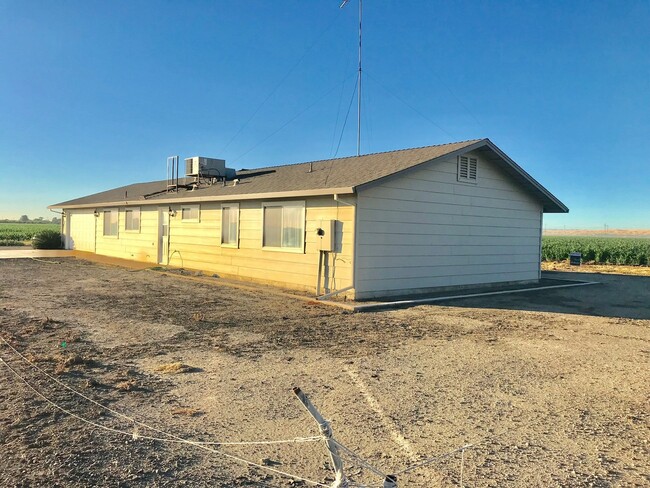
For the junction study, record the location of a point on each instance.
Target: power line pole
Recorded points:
(359, 92)
(343, 4)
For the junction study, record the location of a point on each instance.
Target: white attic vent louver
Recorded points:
(467, 169)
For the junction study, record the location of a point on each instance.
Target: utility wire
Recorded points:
(338, 113)
(424, 116)
(284, 78)
(137, 436)
(346, 119)
(460, 102)
(288, 122)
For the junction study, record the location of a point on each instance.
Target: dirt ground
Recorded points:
(596, 268)
(552, 387)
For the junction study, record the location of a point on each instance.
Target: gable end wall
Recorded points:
(424, 230)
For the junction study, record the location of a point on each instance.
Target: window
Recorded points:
(110, 222)
(190, 213)
(284, 226)
(467, 169)
(132, 219)
(230, 225)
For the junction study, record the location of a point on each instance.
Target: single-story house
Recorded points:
(385, 224)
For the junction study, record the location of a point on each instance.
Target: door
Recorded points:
(80, 233)
(163, 235)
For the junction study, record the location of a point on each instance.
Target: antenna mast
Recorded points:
(343, 4)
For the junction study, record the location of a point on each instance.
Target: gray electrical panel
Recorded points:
(327, 235)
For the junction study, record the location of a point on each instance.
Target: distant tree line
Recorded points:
(24, 219)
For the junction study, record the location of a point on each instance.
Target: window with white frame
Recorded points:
(132, 219)
(283, 225)
(467, 169)
(111, 219)
(190, 213)
(230, 224)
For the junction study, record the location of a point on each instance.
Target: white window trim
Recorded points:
(133, 231)
(234, 245)
(296, 250)
(117, 212)
(467, 179)
(198, 212)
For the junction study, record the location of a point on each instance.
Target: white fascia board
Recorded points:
(563, 208)
(218, 198)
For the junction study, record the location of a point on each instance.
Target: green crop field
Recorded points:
(601, 250)
(23, 232)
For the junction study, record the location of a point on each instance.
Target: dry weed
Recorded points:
(198, 316)
(127, 385)
(174, 368)
(188, 412)
(65, 362)
(41, 358)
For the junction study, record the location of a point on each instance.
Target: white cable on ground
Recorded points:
(131, 419)
(137, 436)
(362, 462)
(46, 262)
(432, 460)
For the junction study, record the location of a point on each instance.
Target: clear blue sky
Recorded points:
(97, 94)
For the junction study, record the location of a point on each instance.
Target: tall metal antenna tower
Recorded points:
(343, 4)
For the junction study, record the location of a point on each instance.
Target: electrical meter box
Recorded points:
(327, 235)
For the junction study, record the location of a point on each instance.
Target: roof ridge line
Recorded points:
(362, 155)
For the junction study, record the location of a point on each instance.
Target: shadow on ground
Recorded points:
(615, 296)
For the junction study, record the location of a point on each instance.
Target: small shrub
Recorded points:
(47, 239)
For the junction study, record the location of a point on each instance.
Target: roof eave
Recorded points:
(211, 198)
(556, 205)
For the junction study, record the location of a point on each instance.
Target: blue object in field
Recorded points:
(575, 258)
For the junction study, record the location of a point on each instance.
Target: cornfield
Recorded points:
(23, 232)
(600, 250)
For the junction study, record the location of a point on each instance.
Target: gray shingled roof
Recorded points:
(342, 175)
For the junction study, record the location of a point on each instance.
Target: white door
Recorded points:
(81, 230)
(163, 235)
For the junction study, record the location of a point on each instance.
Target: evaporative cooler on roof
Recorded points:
(205, 167)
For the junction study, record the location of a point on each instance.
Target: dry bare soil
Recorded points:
(596, 268)
(551, 387)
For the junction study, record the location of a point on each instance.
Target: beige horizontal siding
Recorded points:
(453, 206)
(426, 230)
(197, 245)
(396, 286)
(475, 260)
(370, 251)
(139, 246)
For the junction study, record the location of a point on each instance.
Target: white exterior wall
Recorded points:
(79, 233)
(425, 229)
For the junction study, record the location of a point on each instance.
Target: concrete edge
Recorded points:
(423, 301)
